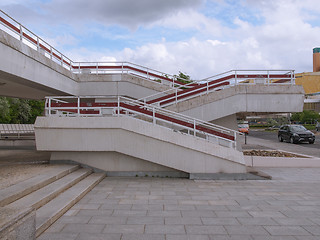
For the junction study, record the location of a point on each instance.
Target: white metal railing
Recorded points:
(16, 130)
(27, 37)
(87, 106)
(221, 81)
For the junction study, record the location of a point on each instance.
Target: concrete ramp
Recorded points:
(242, 99)
(94, 141)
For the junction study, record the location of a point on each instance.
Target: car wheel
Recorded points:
(280, 139)
(291, 140)
(311, 142)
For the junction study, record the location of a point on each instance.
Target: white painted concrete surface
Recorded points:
(134, 138)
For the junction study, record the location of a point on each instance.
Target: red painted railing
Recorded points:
(79, 106)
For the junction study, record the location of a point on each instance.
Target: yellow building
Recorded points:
(311, 83)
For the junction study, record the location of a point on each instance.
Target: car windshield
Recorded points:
(243, 126)
(298, 128)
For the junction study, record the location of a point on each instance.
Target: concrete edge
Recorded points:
(18, 224)
(162, 174)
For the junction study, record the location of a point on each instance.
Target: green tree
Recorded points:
(4, 110)
(307, 116)
(14, 110)
(182, 77)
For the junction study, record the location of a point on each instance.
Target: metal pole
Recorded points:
(153, 116)
(118, 106)
(21, 33)
(176, 95)
(194, 127)
(78, 109)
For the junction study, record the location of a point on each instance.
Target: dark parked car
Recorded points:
(295, 134)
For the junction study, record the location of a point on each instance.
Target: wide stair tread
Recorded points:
(23, 188)
(50, 212)
(40, 197)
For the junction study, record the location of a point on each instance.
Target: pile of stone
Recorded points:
(268, 153)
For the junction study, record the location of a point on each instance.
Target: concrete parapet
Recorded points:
(126, 144)
(298, 162)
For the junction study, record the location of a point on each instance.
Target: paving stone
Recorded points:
(205, 230)
(273, 214)
(227, 237)
(260, 221)
(165, 229)
(170, 207)
(74, 219)
(198, 213)
(116, 206)
(164, 213)
(143, 237)
(274, 238)
(83, 228)
(86, 206)
(57, 236)
(98, 236)
(124, 228)
(186, 237)
(232, 214)
(183, 221)
(220, 221)
(287, 230)
(246, 230)
(314, 230)
(294, 221)
(90, 212)
(108, 220)
(159, 207)
(129, 213)
(145, 220)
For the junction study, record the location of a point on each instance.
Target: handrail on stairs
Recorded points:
(88, 106)
(20, 32)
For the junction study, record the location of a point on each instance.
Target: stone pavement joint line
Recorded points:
(285, 208)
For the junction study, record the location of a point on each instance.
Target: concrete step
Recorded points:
(50, 212)
(42, 196)
(21, 189)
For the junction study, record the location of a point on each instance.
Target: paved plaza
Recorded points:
(285, 208)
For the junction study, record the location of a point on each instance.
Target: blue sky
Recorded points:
(198, 37)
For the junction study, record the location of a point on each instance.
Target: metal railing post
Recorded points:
(38, 44)
(194, 127)
(78, 108)
(50, 53)
(235, 78)
(49, 107)
(21, 33)
(118, 106)
(176, 96)
(153, 116)
(207, 86)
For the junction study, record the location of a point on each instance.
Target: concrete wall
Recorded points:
(137, 139)
(243, 99)
(24, 69)
(26, 73)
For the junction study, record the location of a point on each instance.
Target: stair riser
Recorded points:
(40, 228)
(36, 187)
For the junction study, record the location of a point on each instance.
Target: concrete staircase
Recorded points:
(50, 194)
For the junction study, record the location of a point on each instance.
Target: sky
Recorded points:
(200, 38)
